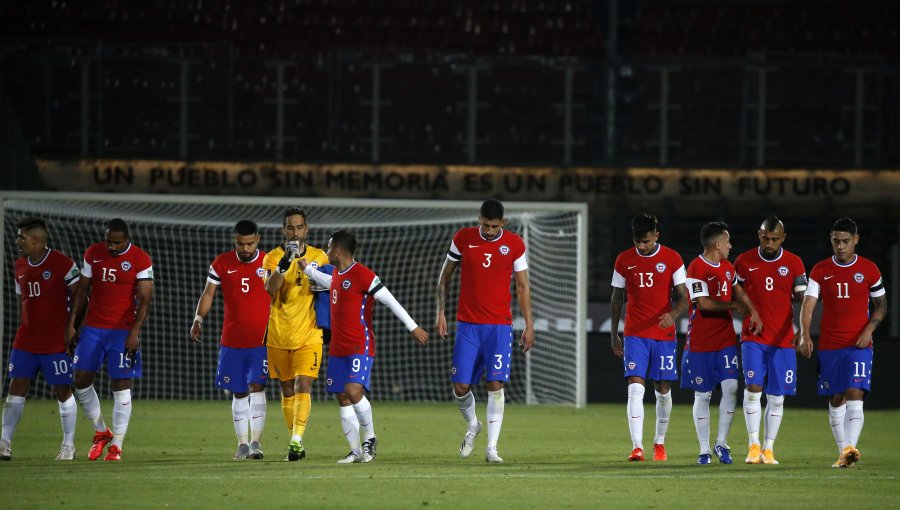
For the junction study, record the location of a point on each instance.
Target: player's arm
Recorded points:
(617, 301)
(745, 306)
(804, 344)
(79, 303)
(523, 291)
(321, 279)
(145, 298)
(384, 296)
(879, 311)
(443, 294)
(203, 306)
(682, 303)
(276, 279)
(800, 285)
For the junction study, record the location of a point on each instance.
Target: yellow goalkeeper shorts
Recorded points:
(286, 365)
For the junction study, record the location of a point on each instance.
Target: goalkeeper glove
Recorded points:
(290, 253)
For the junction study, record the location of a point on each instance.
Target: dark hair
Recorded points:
(245, 228)
(711, 231)
(118, 225)
(345, 240)
(771, 223)
(642, 224)
(492, 209)
(844, 225)
(293, 211)
(30, 223)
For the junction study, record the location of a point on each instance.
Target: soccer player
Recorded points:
(845, 283)
(118, 277)
(351, 354)
(710, 355)
(242, 367)
(648, 273)
(772, 277)
(488, 256)
(44, 280)
(294, 340)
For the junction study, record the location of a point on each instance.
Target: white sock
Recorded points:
(495, 404)
(853, 424)
(836, 417)
(240, 412)
(774, 413)
(12, 413)
(663, 412)
(121, 415)
(635, 410)
(726, 409)
(67, 414)
(701, 419)
(257, 415)
(350, 424)
(466, 405)
(363, 410)
(752, 411)
(90, 404)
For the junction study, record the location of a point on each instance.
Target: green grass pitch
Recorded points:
(178, 455)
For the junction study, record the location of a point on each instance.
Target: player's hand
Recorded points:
(756, 325)
(302, 263)
(527, 340)
(863, 341)
(666, 320)
(132, 344)
(804, 345)
(290, 253)
(195, 331)
(440, 325)
(420, 335)
(71, 343)
(616, 344)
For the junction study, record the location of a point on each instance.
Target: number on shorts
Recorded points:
(124, 361)
(355, 365)
(730, 363)
(789, 377)
(499, 364)
(666, 362)
(859, 369)
(266, 366)
(60, 367)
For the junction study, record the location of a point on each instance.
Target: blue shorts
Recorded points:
(774, 368)
(650, 359)
(55, 367)
(479, 348)
(95, 344)
(703, 371)
(845, 368)
(343, 370)
(240, 367)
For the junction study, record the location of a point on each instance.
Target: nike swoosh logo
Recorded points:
(711, 278)
(239, 419)
(752, 269)
(636, 417)
(21, 276)
(126, 404)
(851, 419)
(700, 418)
(829, 277)
(754, 412)
(474, 245)
(256, 417)
(232, 271)
(97, 260)
(493, 421)
(497, 373)
(631, 267)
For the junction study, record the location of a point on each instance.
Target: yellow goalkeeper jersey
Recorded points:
(292, 319)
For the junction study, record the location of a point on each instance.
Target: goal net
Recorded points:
(404, 242)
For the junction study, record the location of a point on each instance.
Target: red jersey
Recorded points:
(44, 291)
(114, 281)
(246, 300)
(710, 331)
(648, 280)
(770, 285)
(844, 291)
(486, 268)
(352, 301)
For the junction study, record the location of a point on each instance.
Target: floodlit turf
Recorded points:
(178, 455)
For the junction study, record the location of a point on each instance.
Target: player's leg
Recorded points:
(636, 359)
(23, 366)
(697, 375)
(305, 364)
(122, 370)
(89, 354)
(754, 366)
(726, 374)
(781, 381)
(280, 370)
(859, 366)
(358, 383)
(496, 350)
(831, 384)
(466, 367)
(57, 370)
(230, 377)
(336, 379)
(663, 369)
(256, 372)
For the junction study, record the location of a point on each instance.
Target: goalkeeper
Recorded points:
(294, 339)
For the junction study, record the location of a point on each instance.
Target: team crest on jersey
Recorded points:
(504, 250)
(660, 267)
(728, 275)
(750, 374)
(783, 270)
(260, 272)
(314, 265)
(859, 277)
(698, 380)
(632, 365)
(126, 265)
(346, 284)
(47, 275)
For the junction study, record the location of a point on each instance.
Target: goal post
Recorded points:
(404, 241)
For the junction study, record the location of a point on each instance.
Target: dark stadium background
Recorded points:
(725, 85)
